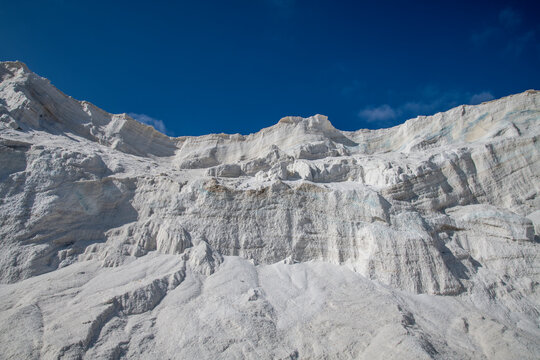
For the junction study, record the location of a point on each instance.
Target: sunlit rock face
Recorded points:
(298, 241)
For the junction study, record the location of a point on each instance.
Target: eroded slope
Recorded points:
(442, 205)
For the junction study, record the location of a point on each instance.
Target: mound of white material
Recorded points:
(299, 241)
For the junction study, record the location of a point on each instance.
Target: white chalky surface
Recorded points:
(300, 241)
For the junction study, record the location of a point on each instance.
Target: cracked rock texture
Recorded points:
(300, 241)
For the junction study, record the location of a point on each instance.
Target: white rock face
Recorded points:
(297, 242)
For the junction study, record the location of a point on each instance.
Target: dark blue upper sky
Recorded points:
(200, 67)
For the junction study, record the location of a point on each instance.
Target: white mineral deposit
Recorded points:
(299, 241)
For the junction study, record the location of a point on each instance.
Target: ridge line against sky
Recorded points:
(193, 68)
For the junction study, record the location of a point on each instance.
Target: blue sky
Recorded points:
(197, 67)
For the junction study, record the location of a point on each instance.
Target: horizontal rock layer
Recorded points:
(440, 205)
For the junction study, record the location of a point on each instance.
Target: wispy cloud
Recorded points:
(481, 97)
(509, 18)
(284, 7)
(485, 35)
(520, 42)
(380, 114)
(148, 120)
(353, 88)
(508, 31)
(282, 3)
(432, 100)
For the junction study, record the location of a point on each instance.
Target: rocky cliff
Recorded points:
(298, 241)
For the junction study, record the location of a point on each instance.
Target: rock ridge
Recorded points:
(435, 220)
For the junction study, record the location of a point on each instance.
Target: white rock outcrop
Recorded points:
(298, 241)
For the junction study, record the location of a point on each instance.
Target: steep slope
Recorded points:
(298, 241)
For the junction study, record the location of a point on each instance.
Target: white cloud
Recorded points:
(519, 43)
(381, 114)
(481, 97)
(148, 120)
(282, 4)
(507, 32)
(353, 88)
(283, 8)
(509, 18)
(485, 35)
(432, 100)
(423, 108)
